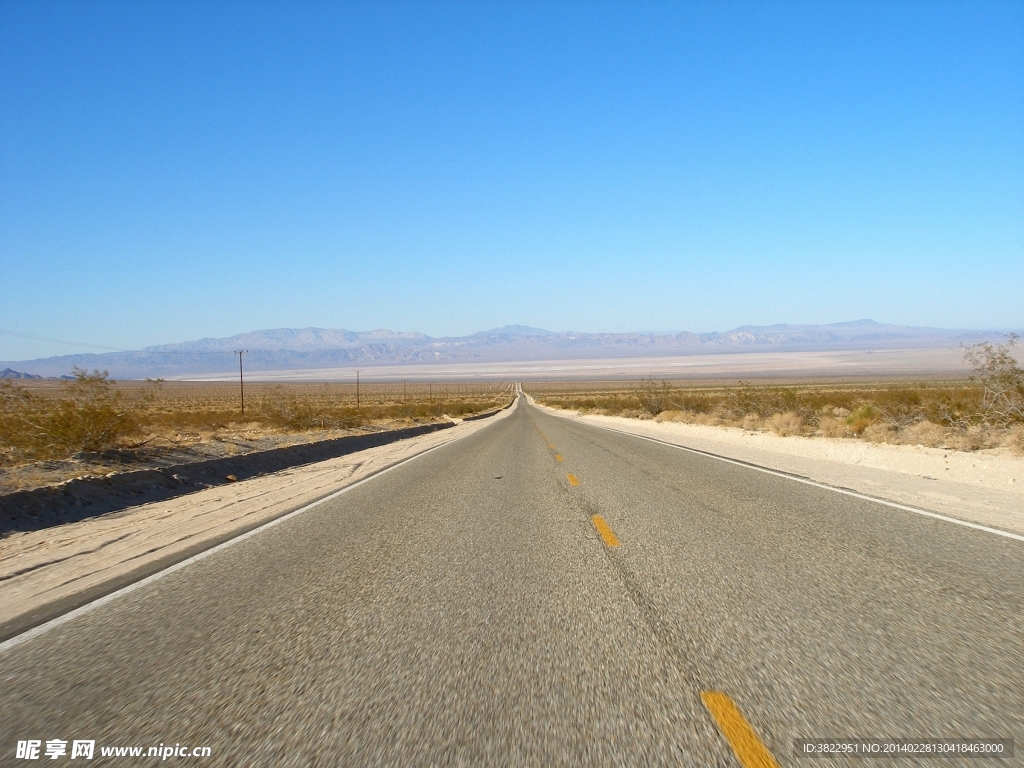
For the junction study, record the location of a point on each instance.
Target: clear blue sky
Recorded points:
(176, 170)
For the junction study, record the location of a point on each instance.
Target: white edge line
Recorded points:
(805, 481)
(30, 634)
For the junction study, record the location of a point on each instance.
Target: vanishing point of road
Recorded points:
(544, 592)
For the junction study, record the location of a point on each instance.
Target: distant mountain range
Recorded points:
(318, 348)
(9, 373)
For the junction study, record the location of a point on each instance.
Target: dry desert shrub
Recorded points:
(862, 418)
(786, 424)
(925, 433)
(653, 396)
(899, 406)
(1002, 378)
(1015, 439)
(970, 439)
(964, 415)
(752, 422)
(676, 416)
(830, 426)
(707, 420)
(880, 432)
(87, 416)
(92, 414)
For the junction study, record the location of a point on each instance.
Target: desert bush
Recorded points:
(861, 419)
(970, 439)
(88, 417)
(652, 396)
(675, 415)
(880, 432)
(751, 422)
(899, 405)
(938, 414)
(830, 426)
(291, 413)
(763, 401)
(708, 420)
(1002, 378)
(92, 414)
(785, 424)
(925, 433)
(17, 422)
(1015, 439)
(958, 408)
(93, 417)
(691, 402)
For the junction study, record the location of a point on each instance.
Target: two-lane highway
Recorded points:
(544, 592)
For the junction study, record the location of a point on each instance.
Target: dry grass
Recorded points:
(51, 421)
(949, 414)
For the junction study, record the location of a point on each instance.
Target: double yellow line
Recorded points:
(607, 534)
(748, 748)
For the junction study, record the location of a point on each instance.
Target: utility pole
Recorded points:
(404, 382)
(357, 390)
(241, 380)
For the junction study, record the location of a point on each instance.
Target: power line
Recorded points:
(61, 341)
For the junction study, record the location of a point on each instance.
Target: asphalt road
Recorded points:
(464, 609)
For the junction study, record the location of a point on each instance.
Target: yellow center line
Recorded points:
(551, 446)
(573, 480)
(741, 737)
(606, 533)
(558, 457)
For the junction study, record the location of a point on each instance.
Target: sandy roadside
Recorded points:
(985, 487)
(48, 568)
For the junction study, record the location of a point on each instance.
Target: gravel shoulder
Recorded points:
(47, 572)
(985, 487)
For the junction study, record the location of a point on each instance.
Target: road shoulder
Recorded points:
(47, 572)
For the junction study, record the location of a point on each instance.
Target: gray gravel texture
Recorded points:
(462, 610)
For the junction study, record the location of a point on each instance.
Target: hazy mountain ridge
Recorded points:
(290, 339)
(312, 348)
(8, 373)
